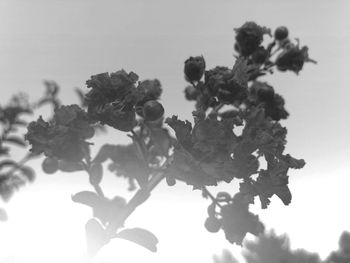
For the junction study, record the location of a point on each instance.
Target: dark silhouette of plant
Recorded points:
(236, 126)
(14, 173)
(342, 255)
(226, 257)
(270, 248)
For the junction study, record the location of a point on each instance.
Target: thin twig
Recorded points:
(97, 187)
(141, 144)
(99, 190)
(207, 192)
(216, 109)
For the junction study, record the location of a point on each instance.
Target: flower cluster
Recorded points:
(261, 93)
(202, 155)
(220, 85)
(249, 40)
(114, 99)
(63, 138)
(292, 58)
(249, 37)
(236, 128)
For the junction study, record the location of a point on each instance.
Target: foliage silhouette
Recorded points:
(271, 248)
(342, 255)
(203, 153)
(15, 173)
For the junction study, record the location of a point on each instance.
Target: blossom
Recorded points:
(293, 58)
(249, 37)
(63, 138)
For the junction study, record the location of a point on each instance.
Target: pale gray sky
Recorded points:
(68, 41)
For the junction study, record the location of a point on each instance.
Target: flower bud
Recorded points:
(194, 68)
(292, 59)
(212, 224)
(191, 93)
(281, 33)
(152, 110)
(249, 37)
(50, 165)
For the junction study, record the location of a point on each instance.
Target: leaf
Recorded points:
(223, 196)
(182, 130)
(96, 174)
(15, 140)
(240, 70)
(104, 153)
(69, 167)
(211, 209)
(87, 198)
(126, 163)
(274, 181)
(141, 237)
(3, 215)
(161, 140)
(237, 221)
(81, 96)
(7, 163)
(293, 162)
(28, 172)
(108, 210)
(96, 237)
(44, 101)
(20, 123)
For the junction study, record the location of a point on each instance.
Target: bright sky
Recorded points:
(68, 41)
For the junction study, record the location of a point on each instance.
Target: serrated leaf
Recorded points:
(240, 71)
(3, 215)
(15, 140)
(4, 151)
(293, 162)
(141, 237)
(8, 185)
(274, 181)
(182, 130)
(87, 198)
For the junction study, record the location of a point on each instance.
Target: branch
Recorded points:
(207, 192)
(140, 197)
(97, 187)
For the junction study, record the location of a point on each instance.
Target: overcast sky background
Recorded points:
(68, 41)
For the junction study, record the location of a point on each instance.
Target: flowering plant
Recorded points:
(236, 134)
